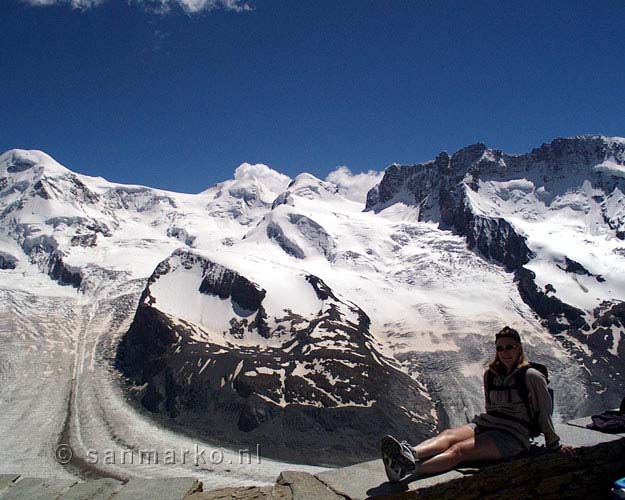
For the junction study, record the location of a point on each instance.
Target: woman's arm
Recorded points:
(540, 400)
(485, 388)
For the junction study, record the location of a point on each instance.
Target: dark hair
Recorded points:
(506, 331)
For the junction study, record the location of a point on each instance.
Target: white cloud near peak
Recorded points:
(272, 179)
(158, 6)
(354, 186)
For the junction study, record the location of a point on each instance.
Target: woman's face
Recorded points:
(508, 351)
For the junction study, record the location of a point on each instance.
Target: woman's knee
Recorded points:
(457, 434)
(448, 437)
(447, 433)
(457, 451)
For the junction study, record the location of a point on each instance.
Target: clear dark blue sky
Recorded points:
(178, 100)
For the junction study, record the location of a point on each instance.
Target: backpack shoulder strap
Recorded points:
(489, 383)
(521, 387)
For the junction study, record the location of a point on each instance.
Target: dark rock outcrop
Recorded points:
(7, 261)
(320, 382)
(275, 233)
(226, 283)
(559, 316)
(314, 233)
(60, 272)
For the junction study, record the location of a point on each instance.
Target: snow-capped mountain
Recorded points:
(555, 217)
(295, 314)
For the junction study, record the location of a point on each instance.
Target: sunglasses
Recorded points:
(507, 347)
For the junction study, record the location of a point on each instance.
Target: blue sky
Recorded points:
(177, 93)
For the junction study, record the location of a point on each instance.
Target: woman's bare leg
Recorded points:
(475, 449)
(443, 441)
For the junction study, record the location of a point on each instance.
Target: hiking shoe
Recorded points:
(399, 452)
(394, 471)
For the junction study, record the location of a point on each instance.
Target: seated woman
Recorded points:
(501, 432)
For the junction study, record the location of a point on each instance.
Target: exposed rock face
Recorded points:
(61, 272)
(298, 236)
(228, 284)
(495, 238)
(550, 308)
(319, 381)
(282, 199)
(7, 261)
(314, 233)
(43, 251)
(276, 233)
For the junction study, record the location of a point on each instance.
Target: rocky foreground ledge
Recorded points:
(600, 461)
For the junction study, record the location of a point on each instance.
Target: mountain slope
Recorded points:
(285, 311)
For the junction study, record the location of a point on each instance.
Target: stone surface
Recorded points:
(584, 421)
(580, 437)
(580, 422)
(276, 492)
(7, 480)
(99, 489)
(369, 480)
(37, 489)
(304, 486)
(157, 489)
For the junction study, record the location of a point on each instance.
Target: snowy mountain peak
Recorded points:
(259, 181)
(309, 186)
(16, 161)
(253, 187)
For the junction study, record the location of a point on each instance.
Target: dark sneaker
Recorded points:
(399, 452)
(394, 471)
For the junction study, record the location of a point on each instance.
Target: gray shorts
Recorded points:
(508, 445)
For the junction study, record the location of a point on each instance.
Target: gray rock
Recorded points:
(158, 489)
(7, 261)
(304, 486)
(276, 492)
(275, 232)
(99, 489)
(583, 438)
(315, 234)
(368, 479)
(7, 480)
(38, 489)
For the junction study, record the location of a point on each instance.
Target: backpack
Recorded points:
(520, 384)
(609, 421)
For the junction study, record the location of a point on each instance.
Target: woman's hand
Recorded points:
(567, 451)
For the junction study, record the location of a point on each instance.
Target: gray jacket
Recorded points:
(512, 405)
